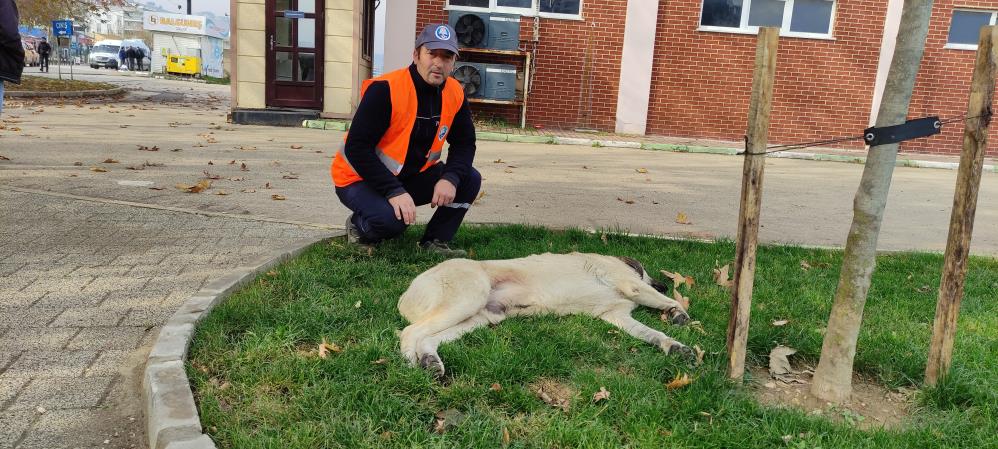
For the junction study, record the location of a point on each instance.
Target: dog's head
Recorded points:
(640, 270)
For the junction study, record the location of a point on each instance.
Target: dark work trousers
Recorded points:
(43, 63)
(375, 218)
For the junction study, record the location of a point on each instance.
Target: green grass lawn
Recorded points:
(260, 384)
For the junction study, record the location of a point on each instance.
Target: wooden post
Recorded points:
(961, 225)
(751, 199)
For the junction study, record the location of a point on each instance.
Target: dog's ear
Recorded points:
(634, 264)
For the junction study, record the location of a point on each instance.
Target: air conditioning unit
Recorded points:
(485, 30)
(500, 81)
(491, 81)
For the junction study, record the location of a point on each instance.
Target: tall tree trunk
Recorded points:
(833, 377)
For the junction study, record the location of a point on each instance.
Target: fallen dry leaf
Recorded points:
(246, 147)
(682, 300)
(4, 158)
(243, 167)
(677, 279)
(209, 175)
(499, 161)
(325, 348)
(248, 190)
(681, 218)
(290, 176)
(277, 197)
(625, 201)
(680, 381)
(553, 393)
(156, 188)
(804, 265)
(697, 326)
(221, 193)
(266, 186)
(700, 353)
(211, 163)
(196, 188)
(495, 387)
(779, 365)
(110, 161)
(232, 162)
(357, 305)
(601, 395)
(446, 419)
(508, 170)
(779, 323)
(379, 362)
(98, 169)
(296, 147)
(78, 164)
(146, 148)
(505, 437)
(641, 170)
(721, 277)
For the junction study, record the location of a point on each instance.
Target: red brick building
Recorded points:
(686, 69)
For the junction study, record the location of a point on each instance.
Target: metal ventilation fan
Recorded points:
(470, 78)
(470, 30)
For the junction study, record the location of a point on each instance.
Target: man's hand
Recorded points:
(443, 193)
(405, 208)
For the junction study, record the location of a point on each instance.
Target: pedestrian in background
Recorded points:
(129, 57)
(44, 49)
(11, 48)
(122, 63)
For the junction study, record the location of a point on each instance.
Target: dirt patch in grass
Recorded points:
(41, 84)
(872, 405)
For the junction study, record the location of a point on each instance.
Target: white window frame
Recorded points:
(533, 11)
(788, 8)
(994, 16)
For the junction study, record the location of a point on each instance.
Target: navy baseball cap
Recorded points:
(438, 36)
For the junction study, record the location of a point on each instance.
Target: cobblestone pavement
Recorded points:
(86, 285)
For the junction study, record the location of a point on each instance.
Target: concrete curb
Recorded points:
(65, 94)
(172, 420)
(340, 125)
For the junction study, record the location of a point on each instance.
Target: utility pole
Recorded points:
(189, 7)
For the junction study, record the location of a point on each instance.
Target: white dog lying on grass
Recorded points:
(460, 295)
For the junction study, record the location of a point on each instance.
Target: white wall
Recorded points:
(400, 33)
(636, 66)
(891, 24)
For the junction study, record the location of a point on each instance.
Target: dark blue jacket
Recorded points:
(11, 48)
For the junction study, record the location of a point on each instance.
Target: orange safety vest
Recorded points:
(394, 144)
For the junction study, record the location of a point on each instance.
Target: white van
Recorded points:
(105, 53)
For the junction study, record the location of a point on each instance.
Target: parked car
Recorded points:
(31, 57)
(105, 53)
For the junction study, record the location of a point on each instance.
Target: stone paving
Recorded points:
(85, 287)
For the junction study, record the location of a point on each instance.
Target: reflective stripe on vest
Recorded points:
(391, 150)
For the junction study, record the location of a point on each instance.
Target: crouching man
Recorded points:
(390, 161)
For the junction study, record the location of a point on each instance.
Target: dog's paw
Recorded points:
(432, 364)
(683, 351)
(679, 316)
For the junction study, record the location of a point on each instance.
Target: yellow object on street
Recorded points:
(183, 65)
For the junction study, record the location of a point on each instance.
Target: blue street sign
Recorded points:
(294, 14)
(62, 28)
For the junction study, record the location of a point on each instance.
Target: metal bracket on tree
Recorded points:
(911, 129)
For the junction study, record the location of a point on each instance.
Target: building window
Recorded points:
(965, 28)
(800, 18)
(558, 9)
(367, 42)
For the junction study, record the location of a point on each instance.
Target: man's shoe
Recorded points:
(441, 248)
(353, 234)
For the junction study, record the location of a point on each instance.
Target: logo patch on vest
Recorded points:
(443, 133)
(442, 33)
